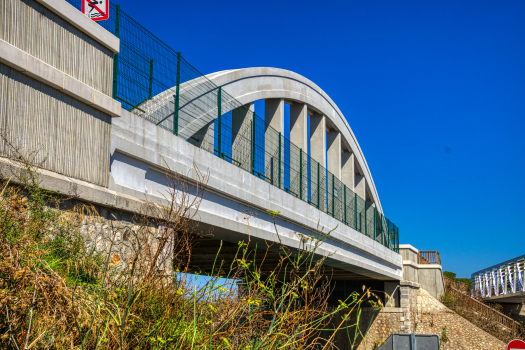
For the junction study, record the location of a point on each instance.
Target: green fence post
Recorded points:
(366, 221)
(279, 173)
(374, 212)
(333, 195)
(253, 144)
(318, 186)
(301, 173)
(150, 89)
(115, 56)
(219, 114)
(355, 211)
(177, 96)
(346, 221)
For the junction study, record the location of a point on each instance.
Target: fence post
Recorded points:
(301, 173)
(253, 144)
(333, 195)
(366, 221)
(115, 56)
(318, 186)
(355, 211)
(279, 167)
(344, 194)
(177, 97)
(150, 89)
(219, 122)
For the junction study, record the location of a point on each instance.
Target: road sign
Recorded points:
(516, 344)
(97, 10)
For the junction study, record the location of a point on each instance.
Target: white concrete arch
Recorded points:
(247, 85)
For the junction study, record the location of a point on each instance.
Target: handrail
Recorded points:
(485, 310)
(429, 257)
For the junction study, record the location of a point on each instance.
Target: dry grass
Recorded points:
(56, 292)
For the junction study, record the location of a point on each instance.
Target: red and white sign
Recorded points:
(97, 10)
(516, 344)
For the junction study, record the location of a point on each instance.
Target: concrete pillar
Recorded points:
(274, 113)
(347, 170)
(242, 136)
(274, 117)
(334, 153)
(318, 138)
(318, 153)
(299, 125)
(298, 137)
(359, 184)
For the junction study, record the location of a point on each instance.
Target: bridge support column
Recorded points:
(334, 153)
(274, 117)
(242, 136)
(359, 183)
(299, 137)
(347, 169)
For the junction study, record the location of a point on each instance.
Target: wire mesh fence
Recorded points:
(155, 82)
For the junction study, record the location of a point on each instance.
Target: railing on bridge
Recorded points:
(429, 257)
(155, 82)
(505, 278)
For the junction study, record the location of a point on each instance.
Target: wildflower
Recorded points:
(206, 321)
(226, 342)
(273, 214)
(242, 244)
(343, 304)
(295, 295)
(212, 308)
(179, 292)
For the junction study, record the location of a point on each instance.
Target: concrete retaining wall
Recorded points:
(428, 276)
(72, 138)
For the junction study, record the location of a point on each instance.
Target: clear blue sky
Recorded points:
(433, 90)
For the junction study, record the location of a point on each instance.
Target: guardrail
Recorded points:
(155, 82)
(429, 257)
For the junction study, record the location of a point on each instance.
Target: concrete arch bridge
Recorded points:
(252, 165)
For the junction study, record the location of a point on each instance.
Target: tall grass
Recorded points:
(57, 292)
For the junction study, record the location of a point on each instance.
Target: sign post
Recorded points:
(516, 345)
(97, 10)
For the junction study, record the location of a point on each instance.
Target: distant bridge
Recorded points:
(501, 283)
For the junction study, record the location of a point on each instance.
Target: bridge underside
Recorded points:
(211, 255)
(518, 297)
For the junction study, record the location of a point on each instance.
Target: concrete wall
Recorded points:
(55, 77)
(33, 28)
(72, 137)
(428, 276)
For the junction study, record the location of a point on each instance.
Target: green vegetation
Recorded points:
(57, 292)
(452, 276)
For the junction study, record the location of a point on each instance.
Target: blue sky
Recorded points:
(433, 90)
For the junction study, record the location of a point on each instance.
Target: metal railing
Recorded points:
(505, 278)
(429, 257)
(155, 82)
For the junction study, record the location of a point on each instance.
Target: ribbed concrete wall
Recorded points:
(36, 30)
(73, 137)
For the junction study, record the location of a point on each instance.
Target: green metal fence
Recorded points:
(155, 82)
